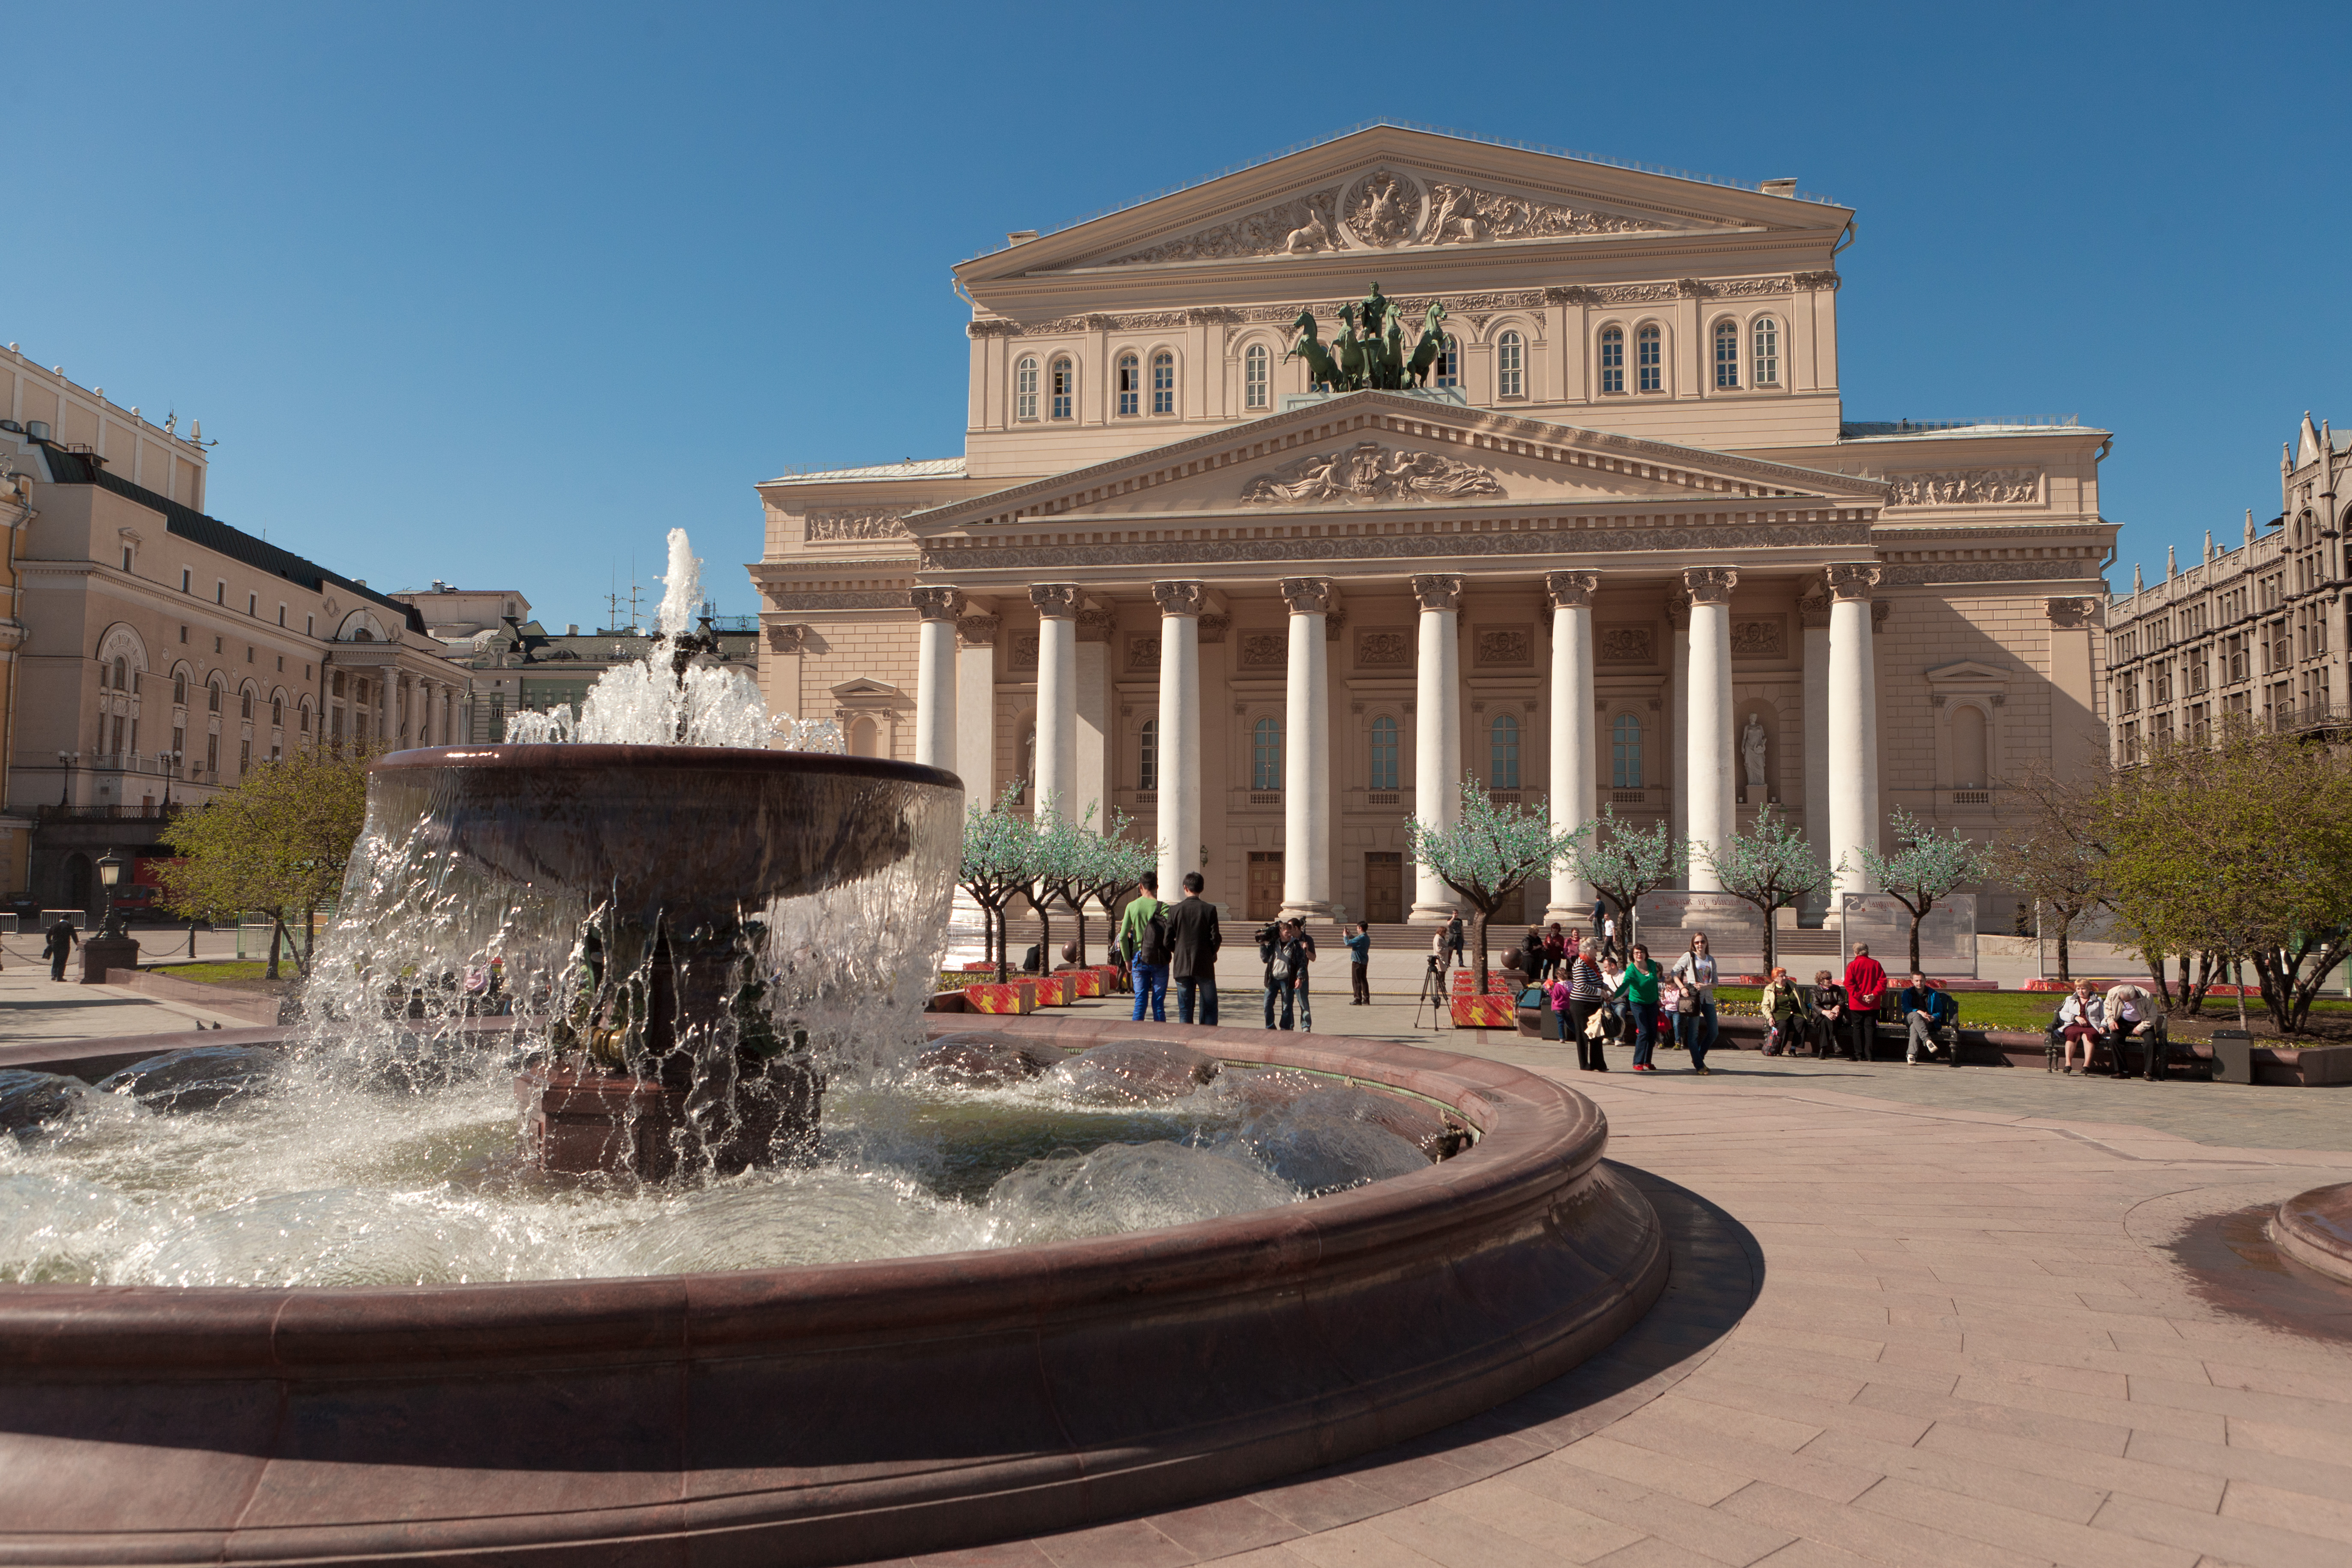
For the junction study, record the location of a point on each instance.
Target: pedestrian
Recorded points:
(1287, 956)
(1455, 933)
(1696, 970)
(1670, 1012)
(1193, 940)
(2131, 1015)
(1608, 934)
(1554, 951)
(1531, 954)
(59, 947)
(1586, 993)
(1638, 989)
(1927, 1010)
(1600, 912)
(1784, 1013)
(2081, 1019)
(1865, 982)
(1829, 1013)
(1359, 966)
(1143, 937)
(1303, 958)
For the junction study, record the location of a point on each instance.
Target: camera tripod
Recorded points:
(1433, 995)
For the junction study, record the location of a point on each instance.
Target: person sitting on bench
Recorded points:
(1931, 1018)
(2082, 1019)
(2132, 1017)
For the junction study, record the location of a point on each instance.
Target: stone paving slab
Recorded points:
(1969, 1343)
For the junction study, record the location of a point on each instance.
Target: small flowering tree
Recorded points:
(1625, 862)
(1926, 867)
(1000, 857)
(1771, 867)
(1100, 866)
(1490, 853)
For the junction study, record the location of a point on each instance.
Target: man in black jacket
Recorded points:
(1193, 938)
(59, 947)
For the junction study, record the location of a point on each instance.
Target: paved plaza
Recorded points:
(1918, 1316)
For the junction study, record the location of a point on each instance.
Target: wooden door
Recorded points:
(1383, 886)
(1265, 884)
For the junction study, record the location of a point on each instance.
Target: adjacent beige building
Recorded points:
(2255, 631)
(1626, 549)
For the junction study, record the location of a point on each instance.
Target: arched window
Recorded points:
(1163, 383)
(302, 719)
(1256, 377)
(1968, 765)
(1146, 756)
(212, 697)
(864, 737)
(1062, 387)
(1726, 355)
(1128, 382)
(121, 673)
(1612, 359)
(277, 712)
(1449, 363)
(1625, 753)
(1266, 755)
(1024, 388)
(1503, 753)
(1649, 360)
(1766, 342)
(1510, 367)
(1384, 753)
(180, 691)
(244, 705)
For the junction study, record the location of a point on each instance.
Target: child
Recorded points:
(1670, 1006)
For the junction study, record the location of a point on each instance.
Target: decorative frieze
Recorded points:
(875, 599)
(1625, 645)
(1822, 280)
(2072, 614)
(1759, 637)
(825, 527)
(1383, 647)
(1503, 647)
(790, 638)
(1096, 626)
(1369, 471)
(1965, 487)
(978, 631)
(1143, 653)
(1214, 628)
(1383, 208)
(1300, 227)
(1464, 214)
(1407, 306)
(1265, 650)
(1021, 652)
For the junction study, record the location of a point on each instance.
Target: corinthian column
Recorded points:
(1853, 702)
(1437, 733)
(1713, 805)
(1058, 697)
(1179, 813)
(1306, 754)
(1573, 766)
(975, 728)
(935, 679)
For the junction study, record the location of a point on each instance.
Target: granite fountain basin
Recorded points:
(838, 1413)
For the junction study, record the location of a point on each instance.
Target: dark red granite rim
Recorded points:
(592, 757)
(840, 1412)
(2314, 1229)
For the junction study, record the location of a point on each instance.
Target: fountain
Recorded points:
(765, 1265)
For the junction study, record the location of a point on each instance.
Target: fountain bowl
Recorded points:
(843, 1413)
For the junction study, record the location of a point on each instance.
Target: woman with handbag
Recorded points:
(1587, 993)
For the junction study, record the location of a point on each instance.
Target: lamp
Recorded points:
(110, 876)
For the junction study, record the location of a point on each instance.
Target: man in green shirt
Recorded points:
(1143, 937)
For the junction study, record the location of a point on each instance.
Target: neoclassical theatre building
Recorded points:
(1622, 548)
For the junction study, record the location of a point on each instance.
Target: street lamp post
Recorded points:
(67, 760)
(110, 876)
(170, 760)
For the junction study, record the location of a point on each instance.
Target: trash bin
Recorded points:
(2233, 1057)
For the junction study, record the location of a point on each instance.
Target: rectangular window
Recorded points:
(1767, 352)
(1254, 378)
(179, 746)
(281, 621)
(309, 626)
(1064, 389)
(1147, 756)
(1510, 367)
(1128, 383)
(1727, 359)
(183, 587)
(1024, 390)
(1163, 384)
(1384, 753)
(1613, 362)
(1650, 363)
(212, 753)
(253, 604)
(126, 558)
(243, 758)
(220, 593)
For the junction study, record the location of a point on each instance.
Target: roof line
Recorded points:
(1385, 121)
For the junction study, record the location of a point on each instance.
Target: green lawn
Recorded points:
(214, 974)
(2028, 1010)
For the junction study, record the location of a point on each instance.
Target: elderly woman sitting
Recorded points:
(2082, 1019)
(1784, 1012)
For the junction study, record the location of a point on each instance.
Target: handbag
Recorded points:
(1596, 1027)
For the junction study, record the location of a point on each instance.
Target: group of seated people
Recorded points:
(2127, 1019)
(1830, 1019)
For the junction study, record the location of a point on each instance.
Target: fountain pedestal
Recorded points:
(580, 1119)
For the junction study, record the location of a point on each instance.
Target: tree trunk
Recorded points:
(1045, 936)
(1916, 915)
(1772, 949)
(2063, 978)
(277, 929)
(1478, 941)
(1080, 905)
(2238, 984)
(1000, 919)
(2155, 962)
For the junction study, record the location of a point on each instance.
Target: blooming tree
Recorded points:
(1771, 867)
(1084, 864)
(1623, 862)
(1489, 853)
(1926, 867)
(1000, 854)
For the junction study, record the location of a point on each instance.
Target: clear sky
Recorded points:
(497, 293)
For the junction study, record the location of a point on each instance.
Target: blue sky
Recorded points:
(497, 293)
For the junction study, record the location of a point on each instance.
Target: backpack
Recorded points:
(1155, 949)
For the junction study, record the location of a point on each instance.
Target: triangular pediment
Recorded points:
(1391, 190)
(1967, 672)
(1375, 451)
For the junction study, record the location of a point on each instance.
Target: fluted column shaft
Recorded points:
(1180, 732)
(1058, 697)
(1306, 754)
(1574, 767)
(1714, 805)
(935, 681)
(1853, 726)
(1437, 732)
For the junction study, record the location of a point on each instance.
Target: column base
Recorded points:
(1434, 914)
(1306, 908)
(1566, 918)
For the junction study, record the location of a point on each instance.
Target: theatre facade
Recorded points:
(1621, 550)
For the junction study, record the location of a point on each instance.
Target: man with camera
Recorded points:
(1288, 950)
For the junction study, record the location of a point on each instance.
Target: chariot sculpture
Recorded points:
(1370, 353)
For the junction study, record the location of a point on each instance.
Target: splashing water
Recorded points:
(650, 704)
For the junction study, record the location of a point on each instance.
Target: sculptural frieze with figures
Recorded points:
(1370, 471)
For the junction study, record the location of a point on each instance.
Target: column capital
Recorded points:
(939, 603)
(1057, 601)
(1096, 626)
(1678, 604)
(1438, 591)
(1180, 598)
(1851, 579)
(1571, 590)
(978, 631)
(1308, 595)
(1214, 628)
(1710, 584)
(1813, 608)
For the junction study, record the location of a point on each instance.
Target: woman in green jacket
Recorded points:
(1637, 987)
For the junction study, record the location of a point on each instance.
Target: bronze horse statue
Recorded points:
(1355, 356)
(1320, 371)
(1432, 346)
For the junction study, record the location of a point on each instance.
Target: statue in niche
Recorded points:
(1751, 753)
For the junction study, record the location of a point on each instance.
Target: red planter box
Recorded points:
(1486, 1013)
(1020, 996)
